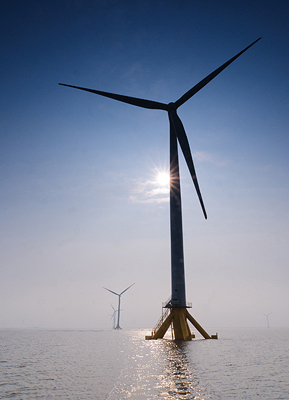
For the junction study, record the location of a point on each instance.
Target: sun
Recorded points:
(163, 178)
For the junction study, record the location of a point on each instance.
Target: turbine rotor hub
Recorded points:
(172, 106)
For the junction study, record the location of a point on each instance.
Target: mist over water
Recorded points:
(242, 364)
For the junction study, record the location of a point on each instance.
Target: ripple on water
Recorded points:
(118, 365)
(162, 370)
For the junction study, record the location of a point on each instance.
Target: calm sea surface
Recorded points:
(114, 365)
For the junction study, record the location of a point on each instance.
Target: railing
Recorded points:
(170, 304)
(166, 303)
(166, 306)
(165, 313)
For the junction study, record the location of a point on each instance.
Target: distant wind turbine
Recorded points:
(267, 316)
(177, 304)
(113, 315)
(118, 310)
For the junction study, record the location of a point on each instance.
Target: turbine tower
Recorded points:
(179, 314)
(118, 310)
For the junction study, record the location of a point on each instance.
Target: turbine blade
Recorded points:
(211, 76)
(111, 291)
(154, 105)
(180, 133)
(126, 289)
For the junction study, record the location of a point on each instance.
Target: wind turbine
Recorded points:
(118, 310)
(267, 316)
(177, 304)
(113, 315)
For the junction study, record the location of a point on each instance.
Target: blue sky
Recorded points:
(81, 207)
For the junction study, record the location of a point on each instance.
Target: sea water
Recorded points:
(114, 365)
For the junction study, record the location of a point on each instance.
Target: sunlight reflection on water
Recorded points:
(243, 364)
(160, 369)
(180, 381)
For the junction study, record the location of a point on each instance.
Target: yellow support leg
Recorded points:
(179, 317)
(164, 327)
(181, 328)
(197, 325)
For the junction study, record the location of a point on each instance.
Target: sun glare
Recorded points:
(163, 178)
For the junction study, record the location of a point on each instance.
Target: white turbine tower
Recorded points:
(118, 310)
